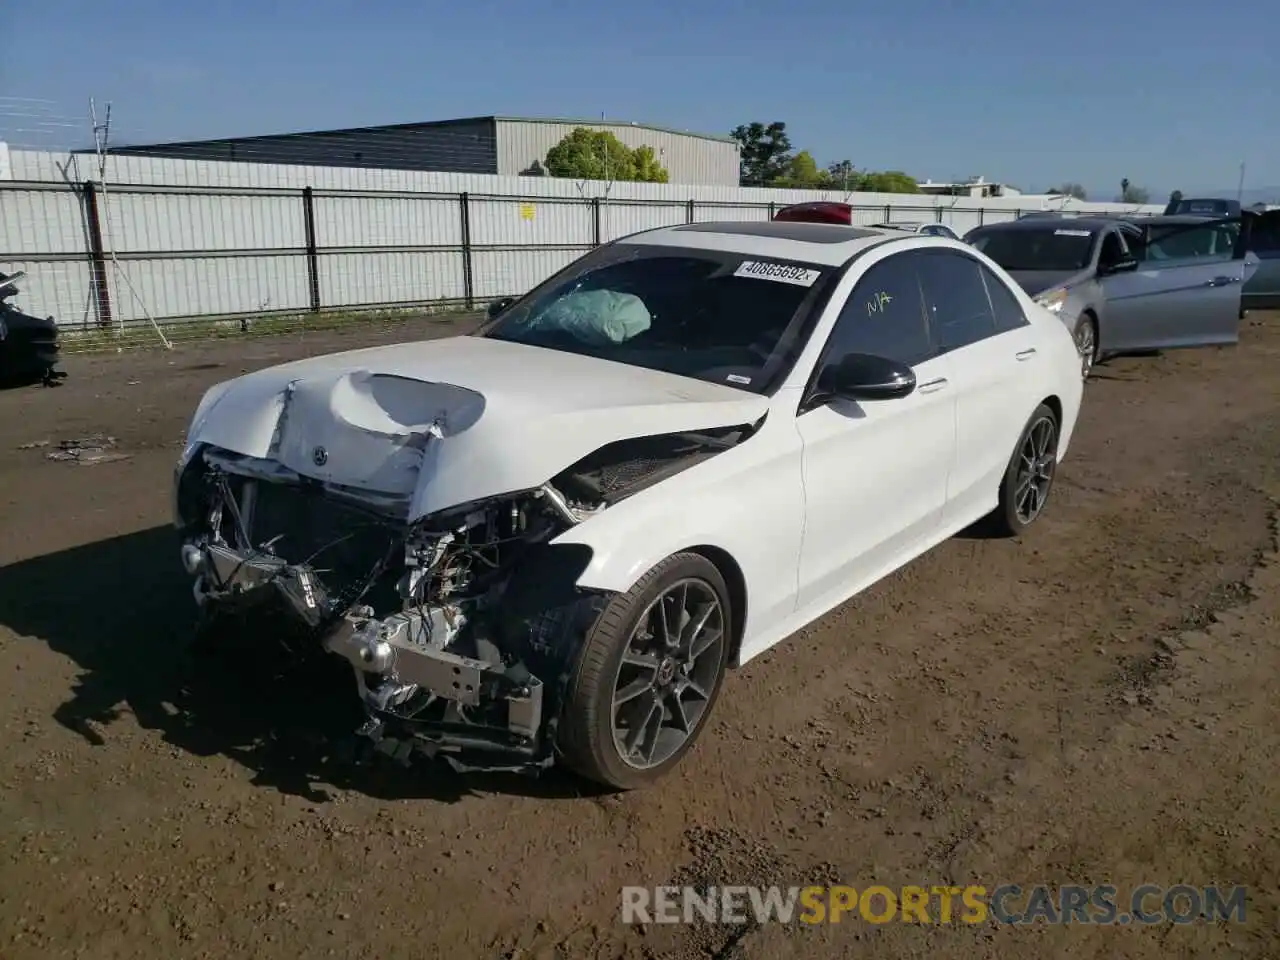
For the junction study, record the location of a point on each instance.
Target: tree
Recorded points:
(648, 169)
(1131, 194)
(586, 154)
(842, 176)
(802, 173)
(891, 181)
(764, 154)
(1071, 190)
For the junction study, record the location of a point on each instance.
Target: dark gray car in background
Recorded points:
(1262, 290)
(1127, 285)
(1262, 220)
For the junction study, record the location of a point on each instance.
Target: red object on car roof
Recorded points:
(817, 211)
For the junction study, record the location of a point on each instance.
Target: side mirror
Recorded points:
(862, 376)
(1127, 265)
(498, 306)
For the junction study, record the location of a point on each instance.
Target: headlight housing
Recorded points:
(1053, 300)
(179, 473)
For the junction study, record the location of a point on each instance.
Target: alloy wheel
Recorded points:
(1086, 346)
(668, 672)
(1037, 460)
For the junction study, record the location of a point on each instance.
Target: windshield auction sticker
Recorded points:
(781, 272)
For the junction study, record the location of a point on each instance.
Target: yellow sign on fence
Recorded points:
(526, 211)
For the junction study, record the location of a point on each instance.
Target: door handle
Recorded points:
(1221, 281)
(932, 386)
(1026, 354)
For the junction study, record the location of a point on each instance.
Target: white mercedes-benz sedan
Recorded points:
(548, 540)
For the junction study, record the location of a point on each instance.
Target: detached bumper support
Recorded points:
(393, 651)
(420, 697)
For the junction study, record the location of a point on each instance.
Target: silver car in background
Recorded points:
(928, 229)
(1128, 285)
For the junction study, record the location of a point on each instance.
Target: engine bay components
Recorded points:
(461, 627)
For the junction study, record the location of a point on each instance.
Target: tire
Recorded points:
(587, 740)
(1085, 334)
(1008, 519)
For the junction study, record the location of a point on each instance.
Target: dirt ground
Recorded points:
(1097, 703)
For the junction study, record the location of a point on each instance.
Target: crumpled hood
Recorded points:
(450, 421)
(1038, 281)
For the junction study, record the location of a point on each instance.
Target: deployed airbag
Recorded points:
(597, 317)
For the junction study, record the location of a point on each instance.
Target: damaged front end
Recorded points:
(462, 628)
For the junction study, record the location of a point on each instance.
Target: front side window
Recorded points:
(1113, 249)
(884, 315)
(715, 316)
(1051, 248)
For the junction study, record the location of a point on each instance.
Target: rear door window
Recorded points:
(955, 299)
(1004, 305)
(1178, 242)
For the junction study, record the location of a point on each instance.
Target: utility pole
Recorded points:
(1240, 185)
(101, 132)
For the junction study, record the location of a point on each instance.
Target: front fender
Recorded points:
(747, 502)
(1081, 299)
(1089, 298)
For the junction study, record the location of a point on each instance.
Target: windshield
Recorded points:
(1058, 249)
(721, 317)
(1212, 208)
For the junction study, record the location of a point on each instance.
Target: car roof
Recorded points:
(1173, 218)
(1041, 221)
(1215, 201)
(830, 244)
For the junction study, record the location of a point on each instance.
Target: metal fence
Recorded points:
(114, 259)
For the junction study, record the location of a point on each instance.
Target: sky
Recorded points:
(1170, 95)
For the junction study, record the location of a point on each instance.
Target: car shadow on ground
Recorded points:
(18, 381)
(123, 612)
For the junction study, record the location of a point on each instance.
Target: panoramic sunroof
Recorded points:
(785, 230)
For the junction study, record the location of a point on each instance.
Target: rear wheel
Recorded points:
(648, 675)
(1086, 338)
(1024, 491)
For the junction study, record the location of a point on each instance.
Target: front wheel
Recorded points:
(1086, 338)
(1024, 491)
(648, 675)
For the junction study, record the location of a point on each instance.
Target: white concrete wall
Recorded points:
(203, 238)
